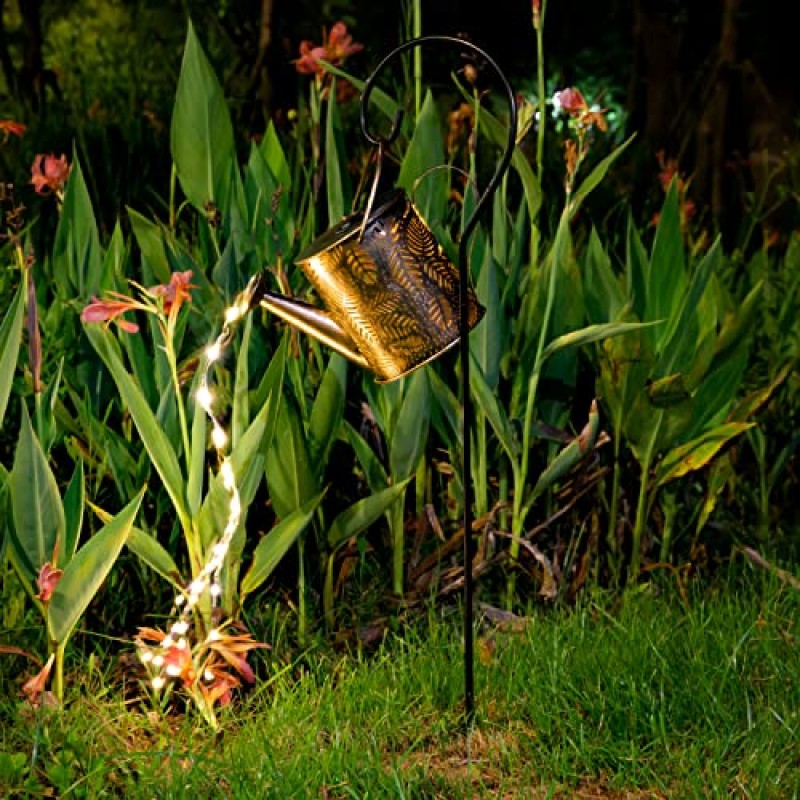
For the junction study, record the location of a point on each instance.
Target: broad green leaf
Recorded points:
(273, 153)
(718, 391)
(678, 343)
(150, 238)
(738, 323)
(5, 514)
(637, 274)
(272, 222)
(241, 405)
(39, 524)
(486, 341)
(593, 333)
(155, 441)
(327, 412)
(152, 552)
(570, 455)
(668, 391)
(488, 403)
(86, 572)
(425, 151)
(291, 480)
(446, 411)
(595, 177)
(370, 463)
(201, 133)
(382, 101)
(273, 547)
(10, 338)
(74, 505)
(667, 279)
(410, 436)
(363, 513)
(699, 452)
(603, 294)
(754, 401)
(114, 258)
(625, 364)
(77, 261)
(336, 184)
(500, 225)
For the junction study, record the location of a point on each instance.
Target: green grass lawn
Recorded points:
(647, 698)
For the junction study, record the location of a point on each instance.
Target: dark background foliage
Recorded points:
(706, 83)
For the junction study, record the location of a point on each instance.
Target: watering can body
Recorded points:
(391, 294)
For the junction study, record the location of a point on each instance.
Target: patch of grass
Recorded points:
(647, 699)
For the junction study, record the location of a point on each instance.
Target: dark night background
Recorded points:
(706, 83)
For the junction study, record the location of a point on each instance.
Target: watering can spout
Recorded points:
(305, 317)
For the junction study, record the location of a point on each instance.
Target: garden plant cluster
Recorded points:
(184, 461)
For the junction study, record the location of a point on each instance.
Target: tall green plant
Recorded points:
(667, 389)
(60, 578)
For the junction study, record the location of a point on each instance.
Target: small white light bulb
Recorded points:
(219, 437)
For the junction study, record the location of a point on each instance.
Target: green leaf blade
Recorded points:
(86, 572)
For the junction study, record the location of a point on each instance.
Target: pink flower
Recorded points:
(48, 173)
(47, 580)
(176, 292)
(111, 310)
(340, 45)
(570, 100)
(574, 103)
(308, 63)
(34, 688)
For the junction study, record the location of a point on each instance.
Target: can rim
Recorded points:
(349, 226)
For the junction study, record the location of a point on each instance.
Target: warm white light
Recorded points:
(219, 438)
(219, 550)
(204, 398)
(173, 670)
(228, 478)
(232, 314)
(158, 682)
(214, 351)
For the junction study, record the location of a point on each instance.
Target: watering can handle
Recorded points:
(383, 141)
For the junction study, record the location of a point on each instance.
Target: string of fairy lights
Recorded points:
(208, 579)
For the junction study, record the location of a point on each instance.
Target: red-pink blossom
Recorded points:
(48, 173)
(111, 310)
(340, 45)
(47, 580)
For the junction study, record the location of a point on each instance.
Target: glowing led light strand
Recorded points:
(208, 578)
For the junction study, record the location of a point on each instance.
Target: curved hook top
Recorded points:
(508, 152)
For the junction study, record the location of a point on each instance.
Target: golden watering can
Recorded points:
(392, 296)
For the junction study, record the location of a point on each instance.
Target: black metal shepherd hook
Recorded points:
(382, 143)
